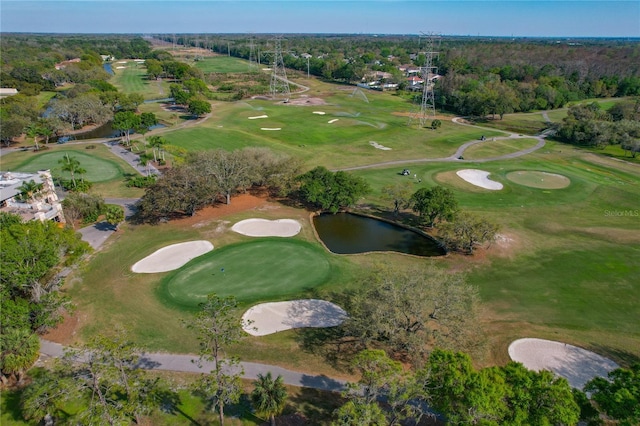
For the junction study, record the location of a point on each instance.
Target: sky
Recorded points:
(518, 18)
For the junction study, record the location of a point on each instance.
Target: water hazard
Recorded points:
(346, 233)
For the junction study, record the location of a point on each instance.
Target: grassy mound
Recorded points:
(542, 180)
(255, 270)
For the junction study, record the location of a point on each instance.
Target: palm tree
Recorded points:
(29, 190)
(71, 165)
(33, 131)
(269, 396)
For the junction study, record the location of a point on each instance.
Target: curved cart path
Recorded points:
(459, 152)
(188, 363)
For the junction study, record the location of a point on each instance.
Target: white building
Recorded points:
(42, 205)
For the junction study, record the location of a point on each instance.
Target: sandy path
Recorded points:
(575, 364)
(171, 257)
(269, 318)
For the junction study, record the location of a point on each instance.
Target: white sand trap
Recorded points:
(575, 364)
(258, 116)
(269, 318)
(267, 228)
(119, 68)
(333, 121)
(172, 257)
(270, 128)
(122, 62)
(319, 112)
(378, 146)
(479, 178)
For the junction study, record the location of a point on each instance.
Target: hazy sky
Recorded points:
(549, 18)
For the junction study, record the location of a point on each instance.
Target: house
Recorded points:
(41, 205)
(415, 81)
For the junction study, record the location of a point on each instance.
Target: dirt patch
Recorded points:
(239, 203)
(65, 332)
(307, 101)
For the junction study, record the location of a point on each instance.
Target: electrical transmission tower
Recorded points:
(427, 72)
(279, 84)
(253, 63)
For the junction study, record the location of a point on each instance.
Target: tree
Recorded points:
(71, 165)
(199, 107)
(33, 131)
(114, 214)
(354, 413)
(80, 206)
(468, 231)
(29, 190)
(434, 204)
(399, 194)
(619, 396)
(19, 350)
(217, 327)
(331, 191)
(108, 378)
(436, 124)
(409, 310)
(125, 121)
(269, 396)
(227, 172)
(156, 143)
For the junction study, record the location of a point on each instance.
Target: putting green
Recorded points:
(98, 169)
(255, 270)
(542, 180)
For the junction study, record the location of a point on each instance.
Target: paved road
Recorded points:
(188, 363)
(98, 233)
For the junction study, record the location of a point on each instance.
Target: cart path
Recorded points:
(460, 151)
(189, 364)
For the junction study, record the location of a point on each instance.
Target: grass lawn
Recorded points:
(222, 64)
(342, 143)
(133, 79)
(264, 269)
(523, 123)
(567, 269)
(490, 148)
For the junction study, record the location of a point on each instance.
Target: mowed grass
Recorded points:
(265, 269)
(97, 169)
(133, 79)
(342, 143)
(222, 64)
(570, 267)
(497, 148)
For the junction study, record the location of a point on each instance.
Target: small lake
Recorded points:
(346, 233)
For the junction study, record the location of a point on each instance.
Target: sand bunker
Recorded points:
(319, 112)
(271, 128)
(479, 178)
(378, 146)
(333, 121)
(172, 257)
(542, 180)
(267, 228)
(258, 116)
(269, 318)
(122, 62)
(119, 68)
(575, 364)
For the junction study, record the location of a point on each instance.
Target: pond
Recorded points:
(346, 233)
(104, 131)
